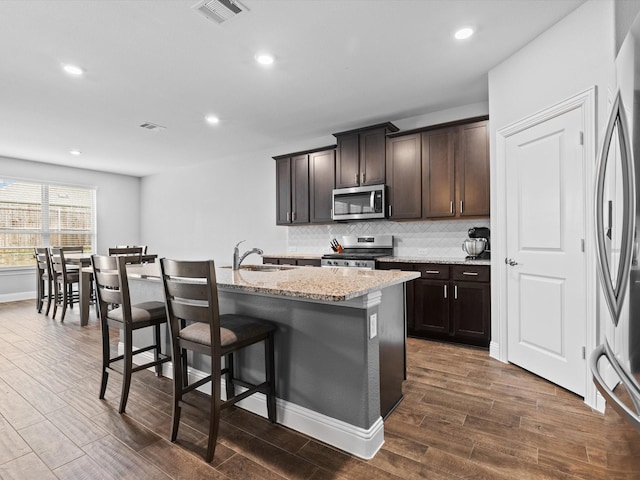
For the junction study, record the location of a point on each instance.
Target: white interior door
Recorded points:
(546, 284)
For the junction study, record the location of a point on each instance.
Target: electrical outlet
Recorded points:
(423, 251)
(373, 325)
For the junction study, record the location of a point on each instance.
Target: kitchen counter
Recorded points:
(406, 259)
(297, 256)
(451, 261)
(340, 344)
(306, 283)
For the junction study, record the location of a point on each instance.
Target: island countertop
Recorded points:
(311, 283)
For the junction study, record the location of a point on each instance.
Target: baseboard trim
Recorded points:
(360, 442)
(16, 297)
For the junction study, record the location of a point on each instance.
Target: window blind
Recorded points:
(43, 215)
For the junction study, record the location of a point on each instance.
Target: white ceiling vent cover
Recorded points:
(220, 10)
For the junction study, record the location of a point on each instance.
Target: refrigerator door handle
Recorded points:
(627, 380)
(614, 292)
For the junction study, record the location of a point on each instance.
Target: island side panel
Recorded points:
(392, 347)
(325, 360)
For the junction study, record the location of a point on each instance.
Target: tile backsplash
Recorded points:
(441, 238)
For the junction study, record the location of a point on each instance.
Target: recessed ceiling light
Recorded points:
(264, 58)
(464, 33)
(73, 70)
(75, 152)
(212, 119)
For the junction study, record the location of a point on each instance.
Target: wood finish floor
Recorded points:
(464, 415)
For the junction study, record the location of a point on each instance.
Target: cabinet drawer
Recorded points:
(407, 267)
(433, 270)
(471, 273)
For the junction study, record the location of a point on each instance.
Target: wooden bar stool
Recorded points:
(64, 278)
(116, 311)
(44, 278)
(196, 324)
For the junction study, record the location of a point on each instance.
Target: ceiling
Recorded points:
(340, 64)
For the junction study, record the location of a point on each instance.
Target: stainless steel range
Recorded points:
(360, 251)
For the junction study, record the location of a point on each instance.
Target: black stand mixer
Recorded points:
(478, 245)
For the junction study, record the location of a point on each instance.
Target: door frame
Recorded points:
(586, 102)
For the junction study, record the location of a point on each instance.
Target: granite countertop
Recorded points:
(305, 256)
(452, 261)
(312, 283)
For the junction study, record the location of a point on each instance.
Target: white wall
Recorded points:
(572, 56)
(203, 211)
(118, 211)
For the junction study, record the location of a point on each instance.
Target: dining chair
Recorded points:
(132, 254)
(44, 278)
(144, 247)
(196, 325)
(116, 311)
(64, 278)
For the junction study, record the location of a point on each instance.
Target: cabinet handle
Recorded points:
(356, 179)
(451, 206)
(445, 291)
(288, 216)
(473, 274)
(455, 292)
(293, 216)
(461, 206)
(432, 272)
(364, 177)
(389, 210)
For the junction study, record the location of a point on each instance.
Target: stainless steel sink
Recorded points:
(263, 268)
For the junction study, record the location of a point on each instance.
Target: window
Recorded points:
(34, 215)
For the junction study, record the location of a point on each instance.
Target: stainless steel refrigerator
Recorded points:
(615, 364)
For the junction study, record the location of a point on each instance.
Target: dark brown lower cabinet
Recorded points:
(312, 262)
(448, 302)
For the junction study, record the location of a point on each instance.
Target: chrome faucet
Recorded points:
(237, 259)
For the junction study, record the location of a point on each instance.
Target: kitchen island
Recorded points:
(340, 344)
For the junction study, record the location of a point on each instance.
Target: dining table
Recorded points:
(83, 260)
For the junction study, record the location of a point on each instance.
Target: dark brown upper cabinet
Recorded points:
(322, 169)
(451, 163)
(304, 185)
(472, 169)
(283, 191)
(404, 173)
(361, 155)
(300, 189)
(438, 181)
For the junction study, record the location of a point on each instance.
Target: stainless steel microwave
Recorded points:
(358, 203)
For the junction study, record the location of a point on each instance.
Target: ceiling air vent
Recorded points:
(220, 10)
(152, 126)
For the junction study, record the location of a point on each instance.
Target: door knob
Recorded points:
(510, 261)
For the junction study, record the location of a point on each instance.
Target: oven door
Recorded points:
(358, 203)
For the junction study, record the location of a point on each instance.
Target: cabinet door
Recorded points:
(431, 310)
(309, 262)
(438, 181)
(322, 169)
(283, 191)
(472, 166)
(471, 312)
(300, 189)
(348, 161)
(404, 173)
(287, 261)
(372, 156)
